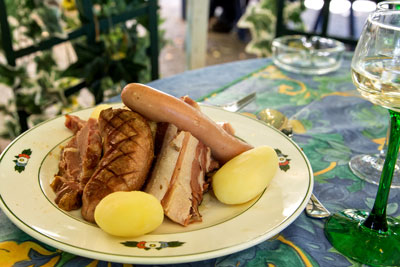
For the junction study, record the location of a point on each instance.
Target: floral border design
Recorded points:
(284, 161)
(147, 245)
(22, 160)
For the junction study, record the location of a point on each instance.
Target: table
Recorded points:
(331, 123)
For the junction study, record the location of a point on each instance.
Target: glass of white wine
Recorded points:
(372, 237)
(368, 167)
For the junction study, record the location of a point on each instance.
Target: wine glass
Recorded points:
(372, 237)
(369, 167)
(366, 166)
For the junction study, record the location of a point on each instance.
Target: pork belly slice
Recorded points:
(178, 177)
(128, 151)
(78, 161)
(165, 164)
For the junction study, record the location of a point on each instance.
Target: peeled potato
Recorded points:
(129, 214)
(96, 112)
(245, 176)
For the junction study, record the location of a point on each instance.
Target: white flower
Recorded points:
(150, 244)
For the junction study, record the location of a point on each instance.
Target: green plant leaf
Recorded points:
(9, 74)
(45, 62)
(118, 56)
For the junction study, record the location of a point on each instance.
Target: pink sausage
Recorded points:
(161, 107)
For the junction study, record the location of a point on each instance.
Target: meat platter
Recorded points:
(28, 200)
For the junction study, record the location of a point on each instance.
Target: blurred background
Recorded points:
(57, 56)
(231, 45)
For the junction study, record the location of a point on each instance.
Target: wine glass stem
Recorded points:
(377, 218)
(382, 152)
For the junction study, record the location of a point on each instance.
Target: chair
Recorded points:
(87, 29)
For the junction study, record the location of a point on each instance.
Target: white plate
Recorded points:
(27, 199)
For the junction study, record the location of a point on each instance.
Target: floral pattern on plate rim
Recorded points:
(22, 160)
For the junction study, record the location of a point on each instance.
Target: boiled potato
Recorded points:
(129, 214)
(96, 112)
(245, 176)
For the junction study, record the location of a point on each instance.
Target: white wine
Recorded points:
(378, 80)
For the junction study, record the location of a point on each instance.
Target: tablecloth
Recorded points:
(331, 124)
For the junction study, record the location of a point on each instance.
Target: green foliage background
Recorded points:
(260, 19)
(117, 57)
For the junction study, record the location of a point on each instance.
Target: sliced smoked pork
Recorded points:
(178, 177)
(128, 151)
(78, 161)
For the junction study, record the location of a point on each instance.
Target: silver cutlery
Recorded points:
(239, 104)
(315, 209)
(275, 118)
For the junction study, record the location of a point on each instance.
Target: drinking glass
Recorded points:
(372, 237)
(369, 167)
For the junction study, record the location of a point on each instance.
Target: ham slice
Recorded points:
(79, 159)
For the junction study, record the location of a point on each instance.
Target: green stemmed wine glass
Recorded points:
(372, 237)
(368, 167)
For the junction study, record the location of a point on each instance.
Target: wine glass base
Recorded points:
(345, 232)
(368, 168)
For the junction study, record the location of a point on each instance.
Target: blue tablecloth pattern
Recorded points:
(331, 123)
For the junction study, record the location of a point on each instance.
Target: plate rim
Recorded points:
(163, 259)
